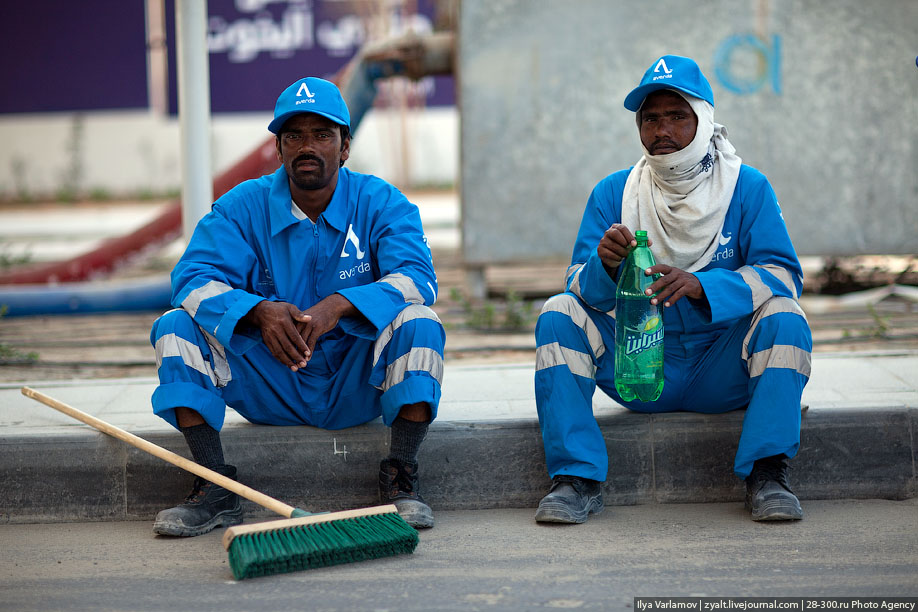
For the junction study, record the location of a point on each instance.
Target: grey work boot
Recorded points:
(208, 506)
(768, 494)
(398, 484)
(571, 499)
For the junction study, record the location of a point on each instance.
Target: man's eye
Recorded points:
(291, 136)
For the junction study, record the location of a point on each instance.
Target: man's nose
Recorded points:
(305, 143)
(663, 128)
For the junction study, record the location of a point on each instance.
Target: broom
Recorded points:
(304, 541)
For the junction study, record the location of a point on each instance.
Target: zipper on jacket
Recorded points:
(315, 258)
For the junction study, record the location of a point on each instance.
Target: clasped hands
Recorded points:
(290, 333)
(675, 284)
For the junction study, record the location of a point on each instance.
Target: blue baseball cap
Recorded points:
(310, 95)
(671, 72)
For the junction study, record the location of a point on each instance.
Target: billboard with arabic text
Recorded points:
(65, 56)
(258, 47)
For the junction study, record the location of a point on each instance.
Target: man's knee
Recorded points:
(175, 321)
(564, 318)
(779, 337)
(558, 313)
(176, 335)
(418, 324)
(781, 319)
(173, 328)
(416, 312)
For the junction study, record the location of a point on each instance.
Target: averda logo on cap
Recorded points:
(309, 95)
(668, 74)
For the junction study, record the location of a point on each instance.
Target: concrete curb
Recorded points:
(668, 458)
(859, 440)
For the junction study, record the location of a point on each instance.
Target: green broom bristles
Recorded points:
(304, 542)
(320, 544)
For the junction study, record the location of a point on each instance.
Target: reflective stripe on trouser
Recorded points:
(408, 361)
(761, 362)
(348, 381)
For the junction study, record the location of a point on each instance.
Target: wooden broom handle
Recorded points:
(166, 455)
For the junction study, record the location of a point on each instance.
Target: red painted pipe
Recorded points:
(168, 226)
(430, 55)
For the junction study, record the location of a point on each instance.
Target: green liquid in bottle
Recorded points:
(638, 329)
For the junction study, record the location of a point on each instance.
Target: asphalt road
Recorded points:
(486, 560)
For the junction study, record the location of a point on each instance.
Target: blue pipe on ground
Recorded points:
(89, 297)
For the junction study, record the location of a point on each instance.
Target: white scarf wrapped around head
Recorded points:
(681, 198)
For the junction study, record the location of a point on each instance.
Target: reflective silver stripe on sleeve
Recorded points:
(772, 306)
(171, 345)
(760, 291)
(221, 365)
(569, 306)
(193, 301)
(553, 354)
(415, 311)
(572, 282)
(418, 359)
(784, 356)
(405, 286)
(783, 275)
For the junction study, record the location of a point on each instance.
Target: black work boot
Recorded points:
(398, 484)
(207, 506)
(571, 499)
(768, 495)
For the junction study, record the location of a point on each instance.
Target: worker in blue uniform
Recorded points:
(734, 334)
(303, 298)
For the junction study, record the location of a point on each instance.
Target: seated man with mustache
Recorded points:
(302, 299)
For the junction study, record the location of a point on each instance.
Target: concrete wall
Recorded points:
(820, 95)
(136, 152)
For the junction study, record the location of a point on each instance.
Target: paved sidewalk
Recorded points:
(859, 440)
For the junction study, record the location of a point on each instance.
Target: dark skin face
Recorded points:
(311, 150)
(668, 123)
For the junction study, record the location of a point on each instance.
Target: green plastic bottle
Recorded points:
(638, 329)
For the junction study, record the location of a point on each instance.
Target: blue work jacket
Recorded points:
(754, 262)
(368, 245)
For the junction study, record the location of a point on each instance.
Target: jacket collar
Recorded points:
(279, 202)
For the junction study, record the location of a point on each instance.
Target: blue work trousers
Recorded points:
(354, 382)
(761, 363)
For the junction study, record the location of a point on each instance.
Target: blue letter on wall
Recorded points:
(769, 64)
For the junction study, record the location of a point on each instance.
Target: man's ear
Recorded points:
(345, 150)
(277, 148)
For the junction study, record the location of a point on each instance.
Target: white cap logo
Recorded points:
(667, 73)
(309, 94)
(662, 62)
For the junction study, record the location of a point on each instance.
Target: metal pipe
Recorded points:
(194, 111)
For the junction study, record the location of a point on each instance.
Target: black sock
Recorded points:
(406, 440)
(204, 442)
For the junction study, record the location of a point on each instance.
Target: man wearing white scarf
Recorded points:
(681, 198)
(738, 340)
